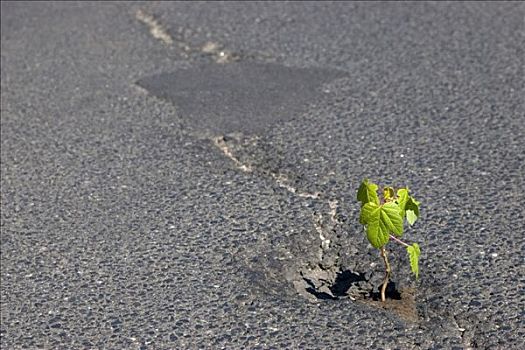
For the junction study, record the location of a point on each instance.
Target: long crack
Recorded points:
(279, 179)
(283, 182)
(317, 277)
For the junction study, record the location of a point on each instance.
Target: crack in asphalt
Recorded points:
(220, 142)
(216, 51)
(325, 242)
(283, 182)
(325, 268)
(156, 29)
(280, 179)
(468, 335)
(324, 234)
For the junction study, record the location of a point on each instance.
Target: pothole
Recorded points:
(328, 284)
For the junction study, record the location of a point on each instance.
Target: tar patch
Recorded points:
(241, 97)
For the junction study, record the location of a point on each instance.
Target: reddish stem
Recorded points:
(399, 241)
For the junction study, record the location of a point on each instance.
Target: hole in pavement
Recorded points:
(244, 97)
(326, 284)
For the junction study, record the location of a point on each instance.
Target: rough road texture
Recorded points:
(128, 222)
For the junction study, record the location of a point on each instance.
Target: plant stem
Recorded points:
(399, 241)
(388, 271)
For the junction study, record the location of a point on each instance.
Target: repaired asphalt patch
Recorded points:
(242, 97)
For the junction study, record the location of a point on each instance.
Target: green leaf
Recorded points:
(411, 217)
(402, 199)
(413, 254)
(368, 213)
(367, 193)
(392, 219)
(388, 194)
(408, 205)
(380, 221)
(412, 210)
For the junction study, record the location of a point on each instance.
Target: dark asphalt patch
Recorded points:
(242, 97)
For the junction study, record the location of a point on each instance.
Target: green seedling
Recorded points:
(383, 216)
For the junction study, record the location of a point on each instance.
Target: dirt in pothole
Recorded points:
(402, 303)
(320, 284)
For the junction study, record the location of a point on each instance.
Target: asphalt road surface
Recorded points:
(183, 175)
